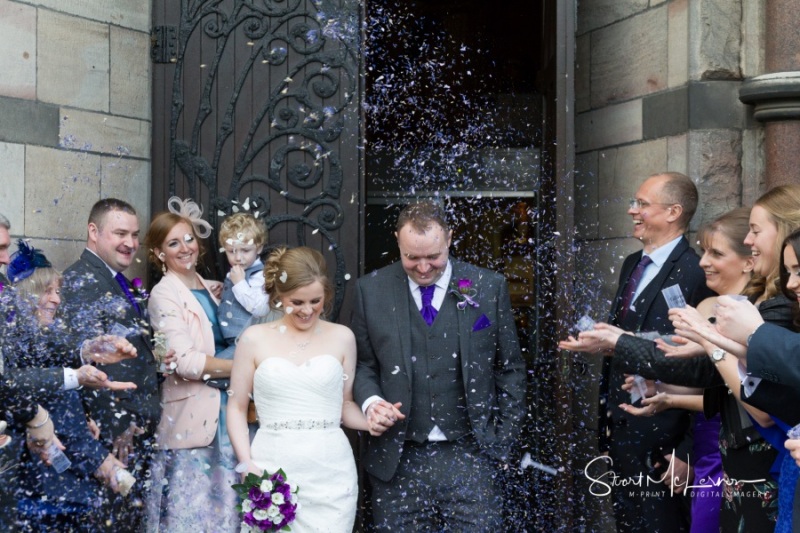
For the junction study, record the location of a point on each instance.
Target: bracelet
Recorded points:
(43, 422)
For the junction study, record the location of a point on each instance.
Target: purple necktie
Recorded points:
(428, 311)
(124, 284)
(630, 286)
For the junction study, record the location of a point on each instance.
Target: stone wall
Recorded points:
(75, 116)
(656, 89)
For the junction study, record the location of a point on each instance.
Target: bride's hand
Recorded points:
(249, 467)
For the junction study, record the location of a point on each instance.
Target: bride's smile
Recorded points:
(304, 305)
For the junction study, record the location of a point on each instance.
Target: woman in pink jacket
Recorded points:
(191, 490)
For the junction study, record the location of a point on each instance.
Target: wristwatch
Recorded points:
(718, 355)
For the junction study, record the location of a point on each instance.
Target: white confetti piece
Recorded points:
(396, 370)
(284, 277)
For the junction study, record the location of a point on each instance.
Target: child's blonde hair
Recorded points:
(240, 228)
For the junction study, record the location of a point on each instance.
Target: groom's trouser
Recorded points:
(439, 486)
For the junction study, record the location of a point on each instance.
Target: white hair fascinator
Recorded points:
(189, 210)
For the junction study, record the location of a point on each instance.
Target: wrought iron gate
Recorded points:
(258, 100)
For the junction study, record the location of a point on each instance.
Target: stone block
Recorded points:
(715, 39)
(61, 252)
(716, 105)
(676, 154)
(28, 122)
(60, 189)
(609, 126)
(17, 50)
(593, 14)
(586, 194)
(629, 58)
(753, 166)
(130, 73)
(714, 157)
(665, 113)
(677, 43)
(73, 61)
(12, 192)
(583, 66)
(753, 38)
(134, 14)
(621, 171)
(129, 180)
(98, 132)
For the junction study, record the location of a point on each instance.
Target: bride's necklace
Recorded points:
(301, 346)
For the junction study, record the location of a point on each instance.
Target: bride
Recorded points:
(300, 372)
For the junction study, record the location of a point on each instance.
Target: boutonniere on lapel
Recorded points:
(464, 292)
(138, 291)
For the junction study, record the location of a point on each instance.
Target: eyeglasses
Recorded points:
(635, 203)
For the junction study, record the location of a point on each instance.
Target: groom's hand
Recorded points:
(381, 415)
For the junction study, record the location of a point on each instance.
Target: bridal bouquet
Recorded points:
(269, 501)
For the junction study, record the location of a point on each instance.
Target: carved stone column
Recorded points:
(776, 95)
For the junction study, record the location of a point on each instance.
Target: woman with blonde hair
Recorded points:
(34, 340)
(300, 371)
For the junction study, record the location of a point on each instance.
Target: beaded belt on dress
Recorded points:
(301, 424)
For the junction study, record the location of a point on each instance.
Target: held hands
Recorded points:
(107, 350)
(93, 378)
(237, 274)
(381, 415)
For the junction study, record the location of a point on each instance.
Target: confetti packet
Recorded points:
(585, 323)
(674, 297)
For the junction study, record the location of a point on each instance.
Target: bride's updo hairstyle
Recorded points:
(288, 269)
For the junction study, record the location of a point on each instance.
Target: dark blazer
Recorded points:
(635, 437)
(773, 355)
(492, 366)
(26, 350)
(91, 292)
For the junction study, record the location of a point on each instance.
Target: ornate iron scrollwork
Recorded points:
(308, 52)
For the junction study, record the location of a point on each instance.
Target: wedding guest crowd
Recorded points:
(734, 349)
(115, 400)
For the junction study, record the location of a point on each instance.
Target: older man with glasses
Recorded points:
(661, 210)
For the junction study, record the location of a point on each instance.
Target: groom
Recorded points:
(441, 381)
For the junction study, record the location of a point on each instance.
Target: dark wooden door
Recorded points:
(259, 100)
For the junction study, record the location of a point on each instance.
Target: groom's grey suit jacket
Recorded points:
(493, 369)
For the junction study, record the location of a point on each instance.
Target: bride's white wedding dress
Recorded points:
(299, 411)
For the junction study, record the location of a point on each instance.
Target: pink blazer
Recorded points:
(190, 408)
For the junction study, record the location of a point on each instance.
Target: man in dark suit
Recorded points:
(661, 211)
(127, 419)
(441, 380)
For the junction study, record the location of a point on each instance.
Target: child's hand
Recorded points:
(237, 274)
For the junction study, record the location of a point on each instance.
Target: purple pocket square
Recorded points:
(482, 323)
